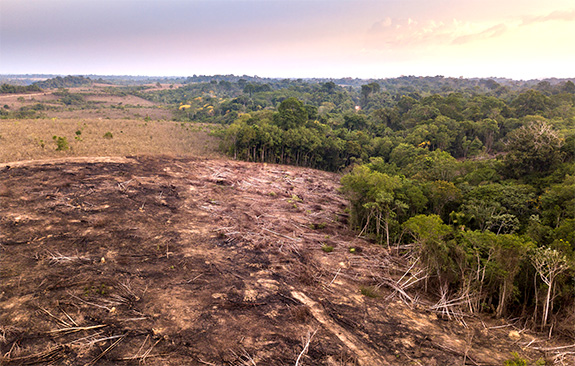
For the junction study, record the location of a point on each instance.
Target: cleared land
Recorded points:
(191, 261)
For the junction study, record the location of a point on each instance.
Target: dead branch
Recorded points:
(306, 342)
(123, 185)
(49, 355)
(548, 349)
(111, 347)
(64, 323)
(334, 277)
(283, 236)
(69, 317)
(207, 363)
(76, 329)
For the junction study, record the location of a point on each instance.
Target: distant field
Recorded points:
(33, 139)
(96, 103)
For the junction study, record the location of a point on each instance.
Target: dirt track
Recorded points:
(182, 261)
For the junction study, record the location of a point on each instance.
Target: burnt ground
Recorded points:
(168, 261)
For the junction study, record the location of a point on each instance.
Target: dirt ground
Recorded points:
(173, 261)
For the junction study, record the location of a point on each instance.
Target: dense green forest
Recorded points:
(473, 180)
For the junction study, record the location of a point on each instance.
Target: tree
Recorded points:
(429, 233)
(492, 265)
(548, 263)
(374, 199)
(534, 148)
(354, 122)
(404, 154)
(510, 251)
(435, 165)
(368, 89)
(488, 129)
(440, 194)
(568, 87)
(557, 203)
(531, 103)
(291, 114)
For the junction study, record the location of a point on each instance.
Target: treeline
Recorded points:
(64, 82)
(18, 89)
(340, 127)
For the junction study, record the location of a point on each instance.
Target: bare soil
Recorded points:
(173, 261)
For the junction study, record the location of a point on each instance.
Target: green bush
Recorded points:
(517, 360)
(108, 135)
(61, 143)
(327, 248)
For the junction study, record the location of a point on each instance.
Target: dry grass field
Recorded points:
(33, 139)
(132, 125)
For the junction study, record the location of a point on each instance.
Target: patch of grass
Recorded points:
(327, 248)
(369, 291)
(294, 198)
(319, 226)
(517, 360)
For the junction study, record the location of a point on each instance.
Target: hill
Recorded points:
(113, 261)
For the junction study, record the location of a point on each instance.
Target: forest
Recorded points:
(472, 180)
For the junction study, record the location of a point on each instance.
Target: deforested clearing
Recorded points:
(211, 262)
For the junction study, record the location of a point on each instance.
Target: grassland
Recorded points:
(33, 139)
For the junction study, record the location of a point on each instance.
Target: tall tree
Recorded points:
(291, 114)
(534, 148)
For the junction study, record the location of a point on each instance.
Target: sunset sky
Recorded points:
(520, 39)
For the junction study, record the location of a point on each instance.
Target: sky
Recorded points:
(519, 39)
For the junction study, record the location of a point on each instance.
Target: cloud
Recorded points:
(559, 15)
(492, 32)
(404, 33)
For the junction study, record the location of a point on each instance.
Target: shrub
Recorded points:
(108, 135)
(327, 248)
(61, 143)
